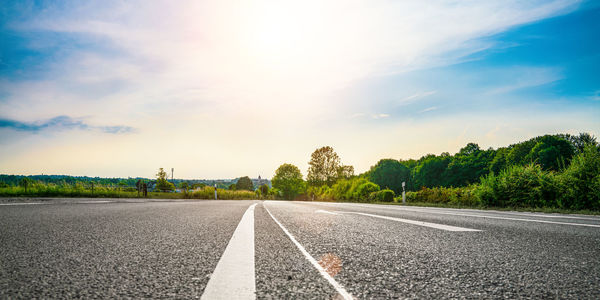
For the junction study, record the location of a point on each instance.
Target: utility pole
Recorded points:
(172, 178)
(215, 191)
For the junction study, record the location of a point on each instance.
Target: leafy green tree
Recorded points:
(161, 181)
(468, 165)
(389, 173)
(499, 162)
(288, 180)
(232, 187)
(551, 152)
(323, 167)
(518, 153)
(184, 185)
(264, 189)
(429, 172)
(244, 183)
(580, 141)
(198, 185)
(25, 183)
(345, 172)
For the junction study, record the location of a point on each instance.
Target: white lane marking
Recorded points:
(495, 217)
(94, 201)
(420, 223)
(234, 276)
(497, 212)
(327, 212)
(24, 203)
(338, 287)
(534, 215)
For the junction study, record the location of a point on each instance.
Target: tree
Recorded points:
(288, 180)
(244, 183)
(468, 165)
(184, 186)
(198, 185)
(581, 140)
(323, 167)
(429, 172)
(161, 181)
(232, 187)
(345, 172)
(264, 189)
(389, 173)
(551, 152)
(122, 184)
(25, 183)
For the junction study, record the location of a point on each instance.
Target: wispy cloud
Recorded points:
(416, 96)
(521, 77)
(429, 109)
(380, 116)
(61, 123)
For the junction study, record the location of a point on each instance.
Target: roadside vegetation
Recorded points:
(551, 172)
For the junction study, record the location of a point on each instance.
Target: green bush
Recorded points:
(462, 196)
(363, 191)
(386, 195)
(519, 186)
(579, 184)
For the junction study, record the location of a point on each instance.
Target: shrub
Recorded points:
(580, 183)
(363, 191)
(518, 186)
(386, 195)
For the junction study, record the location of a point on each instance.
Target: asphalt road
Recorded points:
(86, 248)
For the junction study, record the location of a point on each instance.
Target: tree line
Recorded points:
(562, 170)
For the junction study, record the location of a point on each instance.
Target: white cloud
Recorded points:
(380, 116)
(227, 75)
(416, 96)
(429, 109)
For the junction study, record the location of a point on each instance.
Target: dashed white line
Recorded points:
(338, 287)
(24, 203)
(234, 276)
(420, 223)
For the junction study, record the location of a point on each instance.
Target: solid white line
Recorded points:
(496, 212)
(338, 287)
(234, 276)
(24, 203)
(420, 223)
(499, 218)
(326, 212)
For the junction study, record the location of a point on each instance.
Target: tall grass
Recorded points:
(38, 189)
(209, 193)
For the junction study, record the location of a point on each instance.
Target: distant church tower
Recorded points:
(259, 183)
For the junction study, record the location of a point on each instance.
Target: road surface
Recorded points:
(84, 248)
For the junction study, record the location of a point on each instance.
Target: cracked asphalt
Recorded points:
(131, 248)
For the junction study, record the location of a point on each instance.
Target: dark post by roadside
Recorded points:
(138, 185)
(145, 187)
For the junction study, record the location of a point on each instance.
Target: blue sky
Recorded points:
(225, 89)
